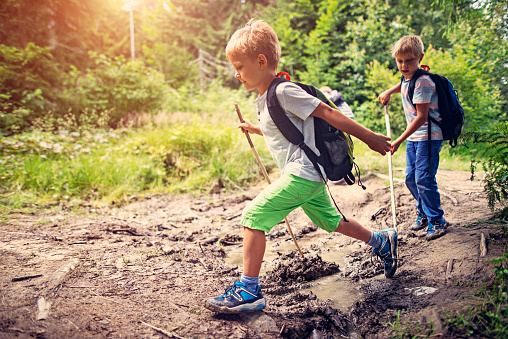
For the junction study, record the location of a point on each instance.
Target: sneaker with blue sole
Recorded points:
(436, 229)
(420, 223)
(387, 252)
(237, 299)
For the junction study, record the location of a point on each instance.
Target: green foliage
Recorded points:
(490, 317)
(400, 330)
(478, 96)
(331, 42)
(99, 166)
(495, 141)
(27, 78)
(198, 157)
(371, 114)
(118, 86)
(216, 100)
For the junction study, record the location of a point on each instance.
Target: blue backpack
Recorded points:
(335, 147)
(450, 109)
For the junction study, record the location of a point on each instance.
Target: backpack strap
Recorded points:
(284, 124)
(290, 131)
(411, 91)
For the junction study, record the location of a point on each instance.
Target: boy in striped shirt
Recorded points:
(420, 177)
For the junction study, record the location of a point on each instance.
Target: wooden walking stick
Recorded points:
(390, 171)
(263, 169)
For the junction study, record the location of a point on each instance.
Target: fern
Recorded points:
(496, 162)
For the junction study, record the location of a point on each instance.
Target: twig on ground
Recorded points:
(129, 230)
(229, 243)
(20, 233)
(449, 268)
(73, 324)
(449, 196)
(483, 245)
(209, 241)
(203, 263)
(129, 220)
(231, 217)
(26, 277)
(378, 212)
(161, 331)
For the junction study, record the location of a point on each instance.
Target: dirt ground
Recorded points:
(143, 270)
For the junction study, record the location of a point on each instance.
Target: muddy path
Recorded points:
(143, 270)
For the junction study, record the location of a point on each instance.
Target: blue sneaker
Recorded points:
(436, 229)
(387, 252)
(420, 223)
(237, 299)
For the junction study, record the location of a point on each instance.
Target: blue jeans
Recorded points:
(420, 180)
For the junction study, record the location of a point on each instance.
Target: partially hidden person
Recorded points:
(338, 99)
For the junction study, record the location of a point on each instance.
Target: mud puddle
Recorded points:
(343, 293)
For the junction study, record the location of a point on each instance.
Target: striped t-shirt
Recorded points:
(425, 92)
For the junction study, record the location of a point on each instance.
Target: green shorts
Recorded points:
(284, 195)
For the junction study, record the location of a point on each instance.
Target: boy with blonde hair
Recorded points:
(420, 170)
(254, 51)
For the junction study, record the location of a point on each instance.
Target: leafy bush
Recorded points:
(478, 96)
(217, 99)
(29, 80)
(118, 86)
(495, 146)
(371, 113)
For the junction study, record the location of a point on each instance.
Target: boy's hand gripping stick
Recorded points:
(263, 169)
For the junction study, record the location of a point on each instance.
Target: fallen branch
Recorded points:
(483, 245)
(26, 277)
(449, 268)
(209, 241)
(230, 243)
(129, 221)
(203, 263)
(128, 230)
(378, 212)
(449, 196)
(233, 216)
(161, 331)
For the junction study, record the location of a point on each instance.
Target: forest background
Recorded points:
(103, 100)
(106, 101)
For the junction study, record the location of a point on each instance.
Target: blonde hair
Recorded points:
(325, 89)
(410, 44)
(256, 37)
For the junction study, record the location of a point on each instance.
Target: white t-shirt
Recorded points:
(298, 106)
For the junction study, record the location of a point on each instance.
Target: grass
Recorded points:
(487, 317)
(173, 152)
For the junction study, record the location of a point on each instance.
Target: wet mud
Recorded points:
(143, 270)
